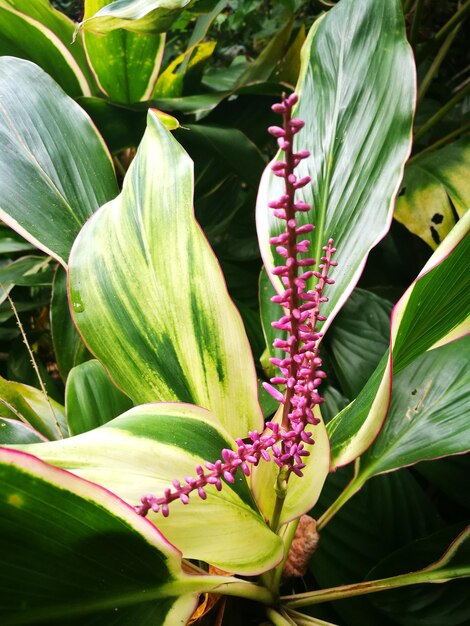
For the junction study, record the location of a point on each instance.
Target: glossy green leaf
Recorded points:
(436, 192)
(49, 143)
(433, 605)
(125, 64)
(264, 66)
(91, 399)
(419, 322)
(167, 330)
(302, 492)
(25, 271)
(14, 431)
(142, 451)
(171, 82)
(450, 475)
(358, 339)
(428, 416)
(357, 131)
(29, 405)
(142, 16)
(33, 30)
(73, 553)
(69, 348)
(452, 565)
(269, 312)
(228, 146)
(388, 512)
(38, 271)
(11, 242)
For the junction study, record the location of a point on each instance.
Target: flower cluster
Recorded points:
(246, 454)
(300, 369)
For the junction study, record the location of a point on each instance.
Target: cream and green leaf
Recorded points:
(435, 192)
(123, 570)
(168, 331)
(140, 16)
(143, 451)
(126, 64)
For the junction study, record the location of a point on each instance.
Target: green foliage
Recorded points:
(131, 274)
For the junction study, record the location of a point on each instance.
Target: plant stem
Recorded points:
(349, 591)
(454, 21)
(441, 142)
(457, 18)
(306, 620)
(277, 619)
(407, 4)
(287, 538)
(416, 22)
(34, 364)
(352, 488)
(436, 64)
(281, 491)
(423, 129)
(225, 585)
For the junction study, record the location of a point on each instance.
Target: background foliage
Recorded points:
(219, 74)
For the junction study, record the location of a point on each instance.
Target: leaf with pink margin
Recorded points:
(164, 327)
(420, 321)
(358, 133)
(143, 450)
(59, 528)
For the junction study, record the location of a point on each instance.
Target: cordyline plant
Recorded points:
(118, 515)
(300, 370)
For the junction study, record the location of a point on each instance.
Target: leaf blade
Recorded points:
(184, 341)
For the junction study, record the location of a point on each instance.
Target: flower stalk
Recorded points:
(300, 370)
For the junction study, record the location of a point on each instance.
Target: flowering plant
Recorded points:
(150, 302)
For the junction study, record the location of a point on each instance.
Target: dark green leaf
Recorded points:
(387, 513)
(358, 339)
(428, 416)
(91, 399)
(69, 348)
(433, 605)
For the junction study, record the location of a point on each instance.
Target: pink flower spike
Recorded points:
(300, 368)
